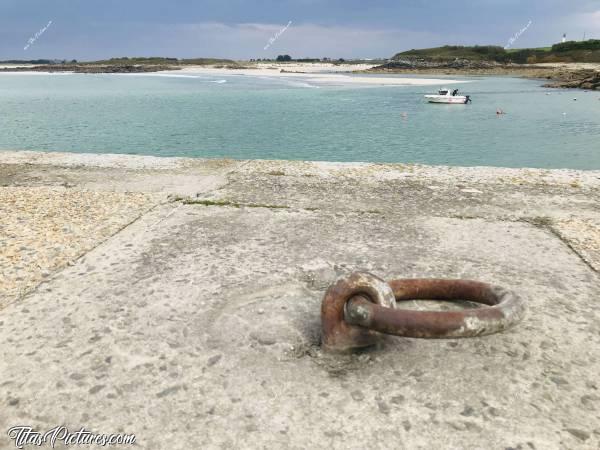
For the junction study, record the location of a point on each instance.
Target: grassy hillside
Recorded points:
(451, 52)
(572, 51)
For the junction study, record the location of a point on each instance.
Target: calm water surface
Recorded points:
(248, 117)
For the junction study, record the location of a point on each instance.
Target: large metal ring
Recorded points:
(503, 309)
(340, 335)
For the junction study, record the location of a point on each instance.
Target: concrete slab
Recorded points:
(45, 228)
(197, 326)
(204, 333)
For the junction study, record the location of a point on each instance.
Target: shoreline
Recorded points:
(318, 77)
(589, 177)
(131, 160)
(558, 75)
(319, 74)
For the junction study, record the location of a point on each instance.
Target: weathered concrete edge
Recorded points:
(379, 171)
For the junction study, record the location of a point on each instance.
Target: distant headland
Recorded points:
(569, 64)
(572, 64)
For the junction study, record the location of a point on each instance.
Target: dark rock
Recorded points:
(357, 395)
(383, 407)
(558, 381)
(94, 68)
(96, 389)
(397, 399)
(579, 434)
(576, 79)
(213, 360)
(168, 391)
(422, 63)
(590, 401)
(468, 411)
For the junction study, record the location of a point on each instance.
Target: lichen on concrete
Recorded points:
(45, 228)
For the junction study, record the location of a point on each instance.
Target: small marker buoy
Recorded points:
(574, 99)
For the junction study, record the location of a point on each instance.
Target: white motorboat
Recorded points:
(448, 96)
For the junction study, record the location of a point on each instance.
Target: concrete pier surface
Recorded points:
(179, 299)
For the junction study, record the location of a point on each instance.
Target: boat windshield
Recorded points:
(443, 92)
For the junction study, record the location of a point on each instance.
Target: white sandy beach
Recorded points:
(317, 73)
(14, 66)
(311, 73)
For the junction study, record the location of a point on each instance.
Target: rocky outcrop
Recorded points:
(558, 77)
(424, 63)
(581, 79)
(462, 66)
(94, 68)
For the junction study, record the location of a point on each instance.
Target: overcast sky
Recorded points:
(93, 29)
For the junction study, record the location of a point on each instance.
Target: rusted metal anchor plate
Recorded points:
(356, 309)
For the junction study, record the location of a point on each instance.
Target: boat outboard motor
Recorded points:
(468, 98)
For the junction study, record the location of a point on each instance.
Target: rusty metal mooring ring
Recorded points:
(357, 308)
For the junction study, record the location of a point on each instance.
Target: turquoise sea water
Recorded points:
(248, 117)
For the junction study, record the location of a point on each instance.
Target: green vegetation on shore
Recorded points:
(35, 61)
(572, 51)
(146, 61)
(450, 52)
(163, 60)
(120, 65)
(495, 60)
